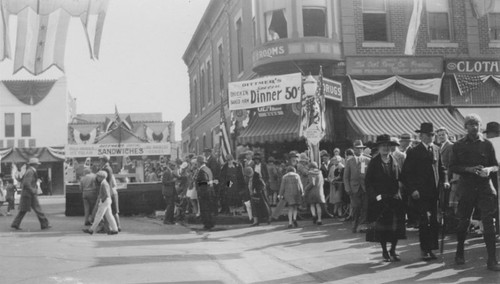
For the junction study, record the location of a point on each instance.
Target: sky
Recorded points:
(140, 67)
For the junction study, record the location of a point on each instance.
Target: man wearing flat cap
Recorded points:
(423, 176)
(473, 158)
(29, 197)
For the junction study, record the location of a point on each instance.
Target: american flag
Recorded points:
(468, 83)
(225, 145)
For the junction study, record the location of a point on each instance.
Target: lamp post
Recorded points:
(310, 86)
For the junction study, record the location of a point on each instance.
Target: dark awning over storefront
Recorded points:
(271, 129)
(487, 114)
(368, 123)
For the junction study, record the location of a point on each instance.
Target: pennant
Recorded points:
(128, 123)
(4, 31)
(93, 23)
(413, 27)
(41, 41)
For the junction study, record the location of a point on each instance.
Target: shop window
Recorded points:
(32, 143)
(209, 81)
(9, 125)
(438, 19)
(26, 124)
(314, 21)
(239, 45)
(221, 67)
(375, 27)
(276, 25)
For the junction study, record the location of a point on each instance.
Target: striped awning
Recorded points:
(368, 123)
(271, 129)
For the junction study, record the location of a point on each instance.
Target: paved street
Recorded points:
(149, 252)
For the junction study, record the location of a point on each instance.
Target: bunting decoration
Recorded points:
(81, 138)
(151, 136)
(467, 83)
(93, 23)
(4, 32)
(41, 41)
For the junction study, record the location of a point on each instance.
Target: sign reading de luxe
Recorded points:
(270, 51)
(473, 66)
(266, 91)
(393, 65)
(332, 90)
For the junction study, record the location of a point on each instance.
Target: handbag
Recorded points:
(371, 233)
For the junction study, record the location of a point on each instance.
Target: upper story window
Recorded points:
(209, 81)
(494, 22)
(314, 19)
(221, 67)
(202, 89)
(239, 44)
(438, 19)
(26, 124)
(276, 25)
(195, 96)
(9, 125)
(375, 27)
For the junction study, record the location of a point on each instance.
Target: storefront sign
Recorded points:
(332, 90)
(269, 52)
(393, 65)
(472, 66)
(132, 149)
(270, 111)
(267, 91)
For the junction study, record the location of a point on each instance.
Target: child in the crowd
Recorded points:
(10, 197)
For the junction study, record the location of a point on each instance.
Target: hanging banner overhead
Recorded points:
(132, 149)
(267, 91)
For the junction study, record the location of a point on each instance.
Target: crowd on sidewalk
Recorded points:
(431, 184)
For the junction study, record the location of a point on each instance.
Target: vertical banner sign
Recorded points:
(266, 91)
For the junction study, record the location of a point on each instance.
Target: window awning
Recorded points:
(368, 123)
(271, 129)
(487, 114)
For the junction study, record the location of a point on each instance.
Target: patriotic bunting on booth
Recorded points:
(467, 83)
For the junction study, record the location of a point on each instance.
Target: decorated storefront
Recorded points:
(139, 147)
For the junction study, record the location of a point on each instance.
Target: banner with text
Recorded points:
(132, 149)
(267, 91)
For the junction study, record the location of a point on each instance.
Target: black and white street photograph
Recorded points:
(249, 141)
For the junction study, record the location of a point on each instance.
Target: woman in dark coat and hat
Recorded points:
(258, 198)
(385, 206)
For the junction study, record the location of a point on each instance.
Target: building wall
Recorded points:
(49, 118)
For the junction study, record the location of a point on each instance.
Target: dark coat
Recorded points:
(388, 213)
(423, 171)
(28, 191)
(263, 172)
(214, 167)
(168, 182)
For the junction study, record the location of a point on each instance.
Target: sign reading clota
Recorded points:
(473, 66)
(266, 91)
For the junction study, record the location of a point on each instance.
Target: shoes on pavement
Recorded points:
(295, 224)
(315, 219)
(88, 224)
(432, 256)
(112, 232)
(254, 224)
(290, 226)
(119, 229)
(493, 265)
(319, 223)
(46, 227)
(459, 260)
(88, 231)
(385, 256)
(15, 227)
(395, 257)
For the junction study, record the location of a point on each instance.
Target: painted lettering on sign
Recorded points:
(332, 89)
(270, 52)
(393, 65)
(473, 66)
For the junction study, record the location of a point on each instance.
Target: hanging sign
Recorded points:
(332, 90)
(266, 91)
(473, 66)
(115, 149)
(270, 111)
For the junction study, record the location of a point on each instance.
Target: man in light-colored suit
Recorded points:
(354, 182)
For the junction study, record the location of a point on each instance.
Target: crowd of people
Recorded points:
(383, 188)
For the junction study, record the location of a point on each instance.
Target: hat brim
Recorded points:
(391, 143)
(37, 163)
(360, 146)
(425, 132)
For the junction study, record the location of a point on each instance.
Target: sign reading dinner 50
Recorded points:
(267, 91)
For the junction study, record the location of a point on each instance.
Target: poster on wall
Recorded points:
(115, 149)
(266, 91)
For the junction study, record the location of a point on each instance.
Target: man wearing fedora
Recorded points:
(354, 183)
(404, 142)
(29, 197)
(473, 158)
(423, 175)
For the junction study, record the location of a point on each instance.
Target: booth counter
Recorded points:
(134, 198)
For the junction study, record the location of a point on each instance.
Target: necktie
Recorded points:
(431, 152)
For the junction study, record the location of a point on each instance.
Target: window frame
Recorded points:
(325, 10)
(202, 88)
(387, 26)
(209, 74)
(267, 25)
(497, 39)
(220, 57)
(450, 25)
(239, 45)
(8, 128)
(23, 133)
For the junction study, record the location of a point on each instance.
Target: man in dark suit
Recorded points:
(169, 192)
(29, 197)
(215, 167)
(423, 175)
(204, 187)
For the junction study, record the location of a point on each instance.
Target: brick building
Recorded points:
(453, 70)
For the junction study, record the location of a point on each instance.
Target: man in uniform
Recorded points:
(204, 181)
(473, 158)
(423, 174)
(29, 197)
